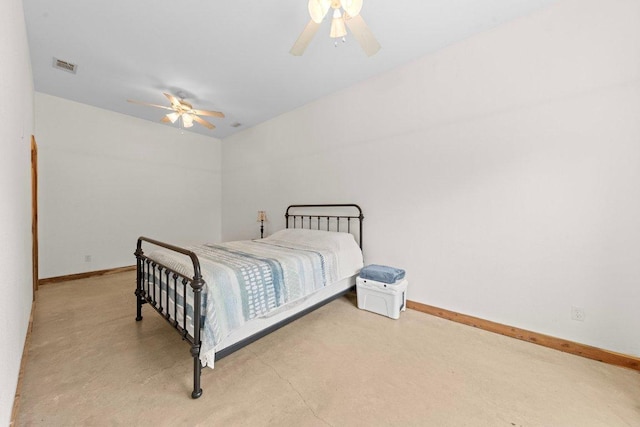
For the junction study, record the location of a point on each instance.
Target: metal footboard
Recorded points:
(149, 277)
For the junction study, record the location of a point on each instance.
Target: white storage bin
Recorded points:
(382, 298)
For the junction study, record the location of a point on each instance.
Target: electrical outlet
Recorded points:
(87, 258)
(577, 313)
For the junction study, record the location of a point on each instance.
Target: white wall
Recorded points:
(501, 172)
(107, 178)
(16, 127)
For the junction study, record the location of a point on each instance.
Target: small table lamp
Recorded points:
(262, 217)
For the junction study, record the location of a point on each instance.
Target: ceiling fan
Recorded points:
(182, 110)
(345, 12)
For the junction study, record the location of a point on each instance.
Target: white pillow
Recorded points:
(317, 238)
(344, 244)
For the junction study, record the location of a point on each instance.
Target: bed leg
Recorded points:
(139, 299)
(197, 370)
(139, 277)
(197, 285)
(139, 308)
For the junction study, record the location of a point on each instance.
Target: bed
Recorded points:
(241, 291)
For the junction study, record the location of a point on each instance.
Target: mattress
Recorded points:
(251, 285)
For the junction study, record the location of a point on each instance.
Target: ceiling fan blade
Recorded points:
(305, 38)
(209, 113)
(149, 105)
(174, 101)
(165, 119)
(363, 35)
(202, 121)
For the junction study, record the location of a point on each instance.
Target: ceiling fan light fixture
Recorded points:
(173, 117)
(181, 108)
(187, 120)
(318, 9)
(338, 29)
(346, 13)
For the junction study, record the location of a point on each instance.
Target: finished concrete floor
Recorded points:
(90, 363)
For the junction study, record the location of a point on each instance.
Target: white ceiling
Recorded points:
(232, 56)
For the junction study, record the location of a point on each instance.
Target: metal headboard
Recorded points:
(314, 217)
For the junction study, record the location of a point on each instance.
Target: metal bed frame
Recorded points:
(148, 269)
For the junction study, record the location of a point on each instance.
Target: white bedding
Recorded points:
(251, 285)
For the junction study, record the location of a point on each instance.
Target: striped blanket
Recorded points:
(244, 280)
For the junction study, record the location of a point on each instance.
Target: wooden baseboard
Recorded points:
(23, 362)
(566, 346)
(78, 276)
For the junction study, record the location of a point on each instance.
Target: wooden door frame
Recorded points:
(34, 212)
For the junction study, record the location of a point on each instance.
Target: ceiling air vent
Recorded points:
(64, 65)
